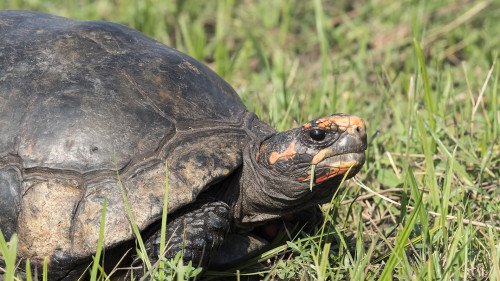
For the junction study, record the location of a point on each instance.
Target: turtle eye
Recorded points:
(317, 135)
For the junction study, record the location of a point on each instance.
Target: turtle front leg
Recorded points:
(197, 232)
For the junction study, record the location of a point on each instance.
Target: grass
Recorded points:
(423, 74)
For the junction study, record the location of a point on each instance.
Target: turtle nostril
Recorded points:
(356, 130)
(360, 131)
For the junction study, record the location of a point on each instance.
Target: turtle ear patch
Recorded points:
(289, 152)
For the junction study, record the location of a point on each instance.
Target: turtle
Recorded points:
(83, 103)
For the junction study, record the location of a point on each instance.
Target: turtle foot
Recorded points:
(196, 233)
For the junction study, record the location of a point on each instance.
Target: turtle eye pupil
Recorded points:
(317, 135)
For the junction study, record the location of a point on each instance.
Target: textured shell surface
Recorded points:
(81, 100)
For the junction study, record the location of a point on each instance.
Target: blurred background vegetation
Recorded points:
(327, 56)
(435, 114)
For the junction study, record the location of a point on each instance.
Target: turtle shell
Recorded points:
(81, 100)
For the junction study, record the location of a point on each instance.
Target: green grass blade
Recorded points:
(311, 182)
(29, 277)
(495, 252)
(45, 271)
(163, 232)
(428, 99)
(494, 101)
(9, 251)
(323, 42)
(324, 262)
(446, 195)
(429, 162)
(97, 257)
(486, 161)
(224, 8)
(137, 233)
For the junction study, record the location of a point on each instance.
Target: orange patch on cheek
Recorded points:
(287, 153)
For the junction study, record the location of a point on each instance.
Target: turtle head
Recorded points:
(277, 171)
(334, 145)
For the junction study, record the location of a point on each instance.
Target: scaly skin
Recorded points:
(274, 181)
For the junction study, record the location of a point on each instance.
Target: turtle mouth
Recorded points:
(339, 165)
(336, 165)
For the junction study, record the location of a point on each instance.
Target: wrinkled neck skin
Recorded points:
(264, 195)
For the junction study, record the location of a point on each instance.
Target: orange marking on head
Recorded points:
(322, 154)
(327, 121)
(339, 169)
(287, 153)
(357, 122)
(344, 121)
(330, 175)
(304, 179)
(322, 178)
(307, 125)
